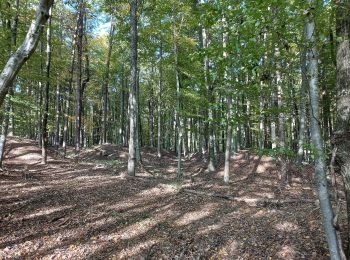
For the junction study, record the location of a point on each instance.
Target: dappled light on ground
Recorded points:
(85, 208)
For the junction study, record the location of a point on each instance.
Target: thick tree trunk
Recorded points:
(342, 133)
(24, 52)
(45, 135)
(325, 204)
(133, 90)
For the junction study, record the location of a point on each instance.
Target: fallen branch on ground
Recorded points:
(264, 202)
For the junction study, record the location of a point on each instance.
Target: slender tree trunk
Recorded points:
(302, 113)
(105, 82)
(159, 109)
(325, 204)
(121, 115)
(133, 90)
(177, 112)
(57, 116)
(67, 101)
(45, 134)
(78, 110)
(342, 133)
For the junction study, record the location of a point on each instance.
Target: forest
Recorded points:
(178, 129)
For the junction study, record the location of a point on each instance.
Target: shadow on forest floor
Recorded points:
(89, 208)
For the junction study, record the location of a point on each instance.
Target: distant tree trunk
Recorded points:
(133, 90)
(177, 114)
(229, 108)
(105, 82)
(159, 109)
(67, 101)
(45, 134)
(342, 133)
(121, 113)
(24, 52)
(302, 109)
(281, 120)
(57, 116)
(325, 204)
(151, 122)
(78, 110)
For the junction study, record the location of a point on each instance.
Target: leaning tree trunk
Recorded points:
(342, 133)
(24, 52)
(45, 135)
(8, 103)
(133, 90)
(320, 166)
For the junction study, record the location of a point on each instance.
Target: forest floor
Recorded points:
(88, 208)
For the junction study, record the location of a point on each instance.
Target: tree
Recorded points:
(325, 204)
(342, 137)
(27, 48)
(133, 91)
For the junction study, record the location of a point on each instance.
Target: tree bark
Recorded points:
(79, 101)
(342, 133)
(320, 167)
(45, 134)
(133, 90)
(105, 82)
(24, 52)
(159, 108)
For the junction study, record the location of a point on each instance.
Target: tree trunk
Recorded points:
(302, 109)
(105, 82)
(177, 112)
(325, 204)
(133, 90)
(45, 134)
(159, 109)
(342, 133)
(67, 101)
(24, 52)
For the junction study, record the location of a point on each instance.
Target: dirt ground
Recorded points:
(87, 208)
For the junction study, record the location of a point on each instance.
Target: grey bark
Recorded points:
(159, 108)
(342, 131)
(320, 167)
(133, 90)
(105, 82)
(45, 134)
(302, 108)
(27, 48)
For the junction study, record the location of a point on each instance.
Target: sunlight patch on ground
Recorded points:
(136, 250)
(43, 212)
(208, 229)
(287, 226)
(287, 252)
(193, 216)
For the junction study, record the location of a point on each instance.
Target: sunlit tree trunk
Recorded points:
(24, 52)
(133, 90)
(320, 167)
(45, 134)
